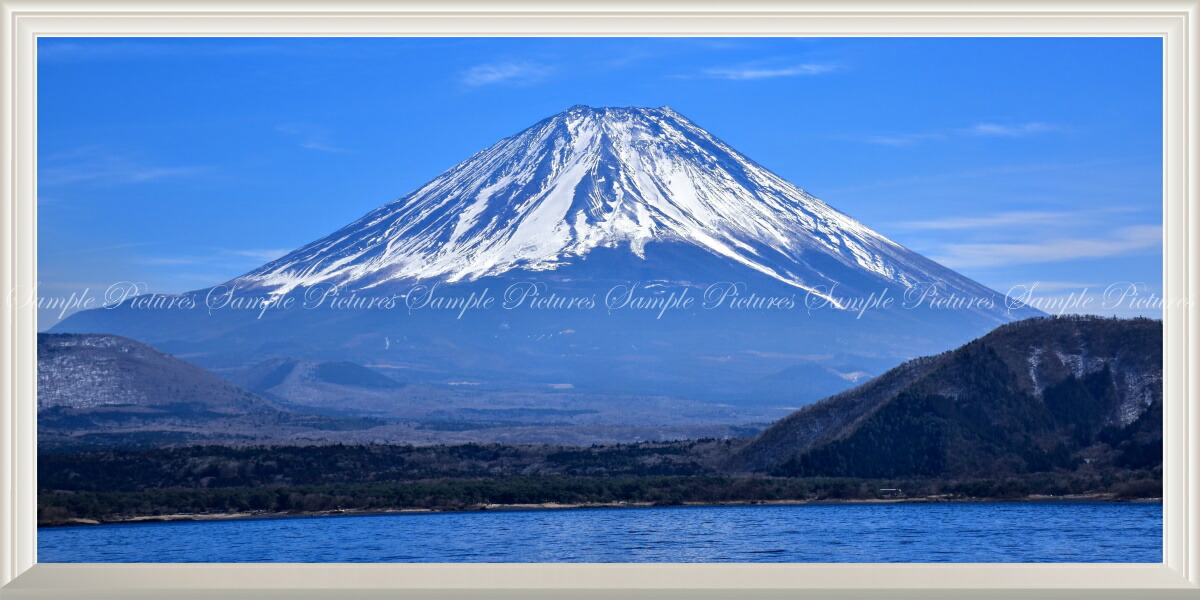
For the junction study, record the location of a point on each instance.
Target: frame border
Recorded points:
(1175, 21)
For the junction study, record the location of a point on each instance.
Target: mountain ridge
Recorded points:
(1033, 394)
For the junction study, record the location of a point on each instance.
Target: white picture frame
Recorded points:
(1177, 22)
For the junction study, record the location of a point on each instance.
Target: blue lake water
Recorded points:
(978, 532)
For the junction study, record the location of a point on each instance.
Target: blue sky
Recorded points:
(183, 163)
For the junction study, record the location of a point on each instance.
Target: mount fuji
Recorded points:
(592, 178)
(603, 215)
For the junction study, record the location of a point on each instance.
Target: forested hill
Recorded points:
(1041, 394)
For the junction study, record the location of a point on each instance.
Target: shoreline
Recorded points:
(554, 506)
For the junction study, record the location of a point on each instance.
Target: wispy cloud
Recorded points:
(904, 139)
(744, 73)
(65, 50)
(505, 72)
(1008, 219)
(219, 257)
(55, 250)
(971, 174)
(1051, 286)
(170, 261)
(94, 165)
(311, 137)
(1017, 130)
(1014, 130)
(264, 255)
(149, 49)
(1124, 240)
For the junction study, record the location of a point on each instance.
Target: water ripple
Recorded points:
(981, 532)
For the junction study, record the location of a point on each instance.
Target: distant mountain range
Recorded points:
(107, 392)
(588, 222)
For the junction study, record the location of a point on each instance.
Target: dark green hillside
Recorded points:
(1032, 396)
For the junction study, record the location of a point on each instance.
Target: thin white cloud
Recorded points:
(220, 257)
(976, 130)
(1018, 130)
(1125, 240)
(1005, 219)
(906, 139)
(748, 73)
(63, 50)
(310, 137)
(93, 165)
(924, 180)
(55, 251)
(168, 261)
(504, 72)
(1019, 219)
(264, 255)
(1051, 286)
(93, 50)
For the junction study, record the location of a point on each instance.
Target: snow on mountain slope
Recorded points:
(593, 178)
(90, 371)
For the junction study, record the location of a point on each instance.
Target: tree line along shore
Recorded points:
(205, 482)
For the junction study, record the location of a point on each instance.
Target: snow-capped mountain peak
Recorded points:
(591, 178)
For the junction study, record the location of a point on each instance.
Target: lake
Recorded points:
(974, 532)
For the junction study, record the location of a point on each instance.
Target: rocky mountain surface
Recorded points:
(1035, 395)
